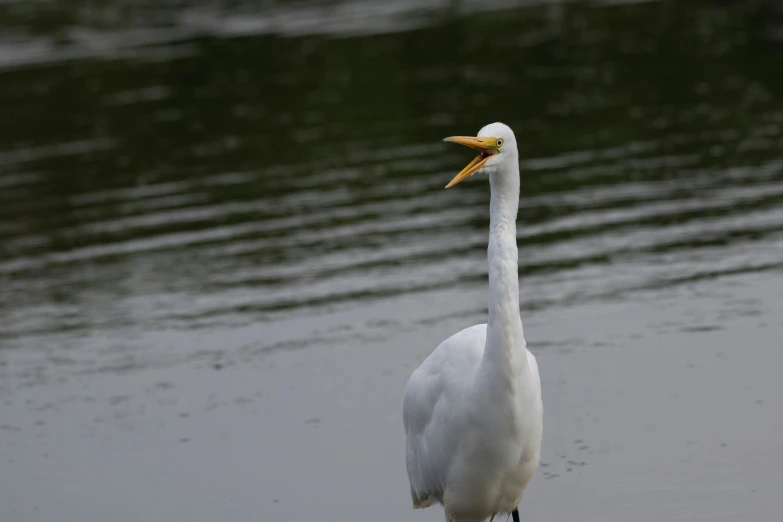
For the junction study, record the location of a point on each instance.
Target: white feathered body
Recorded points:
(472, 451)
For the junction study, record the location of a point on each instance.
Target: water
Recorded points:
(224, 245)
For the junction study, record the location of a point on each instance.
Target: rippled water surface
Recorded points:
(225, 243)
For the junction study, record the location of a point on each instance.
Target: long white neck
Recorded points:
(505, 346)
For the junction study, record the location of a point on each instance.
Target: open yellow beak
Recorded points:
(488, 148)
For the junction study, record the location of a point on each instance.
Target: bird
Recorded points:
(472, 411)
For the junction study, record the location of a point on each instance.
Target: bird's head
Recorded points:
(497, 145)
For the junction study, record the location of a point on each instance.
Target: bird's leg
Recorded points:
(515, 514)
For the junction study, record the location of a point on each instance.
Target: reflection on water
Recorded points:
(171, 173)
(257, 175)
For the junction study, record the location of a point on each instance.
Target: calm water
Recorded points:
(224, 245)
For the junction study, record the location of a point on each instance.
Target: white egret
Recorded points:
(472, 411)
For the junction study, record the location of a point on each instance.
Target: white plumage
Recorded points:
(472, 411)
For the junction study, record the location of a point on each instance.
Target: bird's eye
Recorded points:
(500, 143)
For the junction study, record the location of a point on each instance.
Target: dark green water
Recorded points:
(224, 244)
